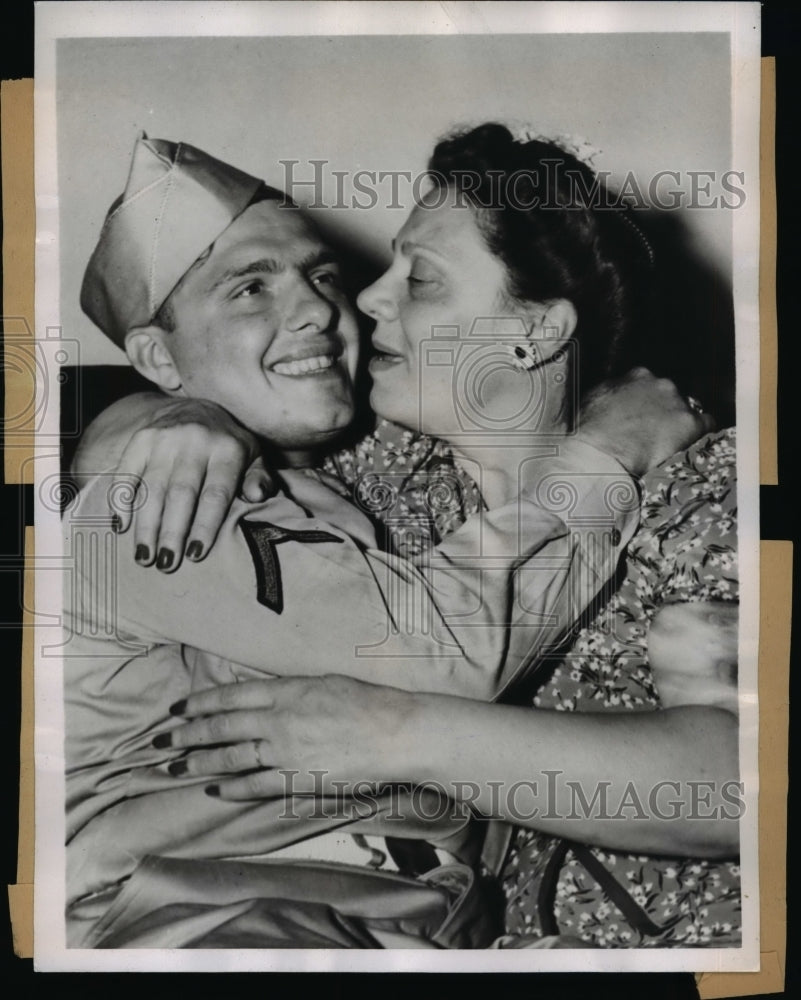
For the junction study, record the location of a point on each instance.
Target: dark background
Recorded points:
(781, 35)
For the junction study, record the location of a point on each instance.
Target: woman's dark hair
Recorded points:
(557, 229)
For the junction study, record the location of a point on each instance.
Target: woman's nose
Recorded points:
(377, 300)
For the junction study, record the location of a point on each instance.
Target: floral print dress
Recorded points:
(684, 550)
(407, 482)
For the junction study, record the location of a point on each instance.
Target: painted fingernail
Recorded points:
(142, 554)
(165, 559)
(194, 550)
(212, 790)
(177, 768)
(162, 741)
(116, 524)
(179, 707)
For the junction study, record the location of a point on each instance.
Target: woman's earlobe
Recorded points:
(150, 356)
(551, 328)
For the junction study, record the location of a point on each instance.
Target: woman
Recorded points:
(569, 274)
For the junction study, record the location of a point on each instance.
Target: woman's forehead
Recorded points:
(447, 225)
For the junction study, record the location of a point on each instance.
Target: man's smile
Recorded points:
(313, 359)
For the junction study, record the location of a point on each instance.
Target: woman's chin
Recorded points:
(394, 407)
(402, 406)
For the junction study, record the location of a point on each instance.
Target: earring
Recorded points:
(525, 357)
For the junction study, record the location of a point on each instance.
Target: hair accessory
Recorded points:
(585, 153)
(640, 236)
(576, 145)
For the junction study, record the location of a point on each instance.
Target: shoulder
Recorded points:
(704, 473)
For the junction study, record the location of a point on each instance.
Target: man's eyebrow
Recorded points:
(269, 265)
(265, 265)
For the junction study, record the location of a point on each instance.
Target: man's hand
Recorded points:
(177, 476)
(640, 420)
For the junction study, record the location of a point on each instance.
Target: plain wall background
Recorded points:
(649, 102)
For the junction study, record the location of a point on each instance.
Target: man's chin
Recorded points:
(313, 435)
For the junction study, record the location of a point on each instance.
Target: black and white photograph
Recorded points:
(397, 562)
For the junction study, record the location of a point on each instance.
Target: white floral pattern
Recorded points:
(410, 483)
(685, 549)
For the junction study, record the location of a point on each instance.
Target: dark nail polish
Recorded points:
(179, 707)
(116, 524)
(195, 550)
(177, 768)
(212, 790)
(165, 559)
(162, 741)
(142, 553)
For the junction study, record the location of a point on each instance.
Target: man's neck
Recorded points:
(292, 458)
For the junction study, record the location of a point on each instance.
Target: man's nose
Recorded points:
(311, 309)
(377, 300)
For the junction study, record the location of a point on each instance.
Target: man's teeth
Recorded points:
(304, 366)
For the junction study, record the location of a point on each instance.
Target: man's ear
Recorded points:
(150, 356)
(554, 326)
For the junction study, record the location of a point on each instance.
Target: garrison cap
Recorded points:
(177, 202)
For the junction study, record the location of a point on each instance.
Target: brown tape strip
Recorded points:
(19, 239)
(20, 896)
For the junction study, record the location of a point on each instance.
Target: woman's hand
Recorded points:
(186, 465)
(334, 735)
(693, 652)
(297, 733)
(641, 420)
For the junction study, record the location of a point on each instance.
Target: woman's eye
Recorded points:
(423, 282)
(421, 275)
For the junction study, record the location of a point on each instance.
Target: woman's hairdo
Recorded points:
(561, 234)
